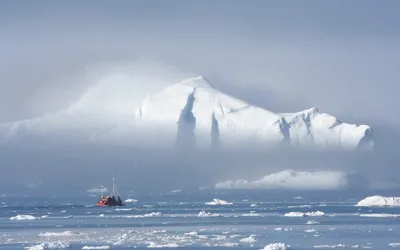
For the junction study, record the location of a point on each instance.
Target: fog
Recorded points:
(341, 57)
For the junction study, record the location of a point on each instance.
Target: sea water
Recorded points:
(184, 220)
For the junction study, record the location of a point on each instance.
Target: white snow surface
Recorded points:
(378, 200)
(192, 107)
(290, 179)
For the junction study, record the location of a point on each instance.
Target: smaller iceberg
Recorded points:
(379, 201)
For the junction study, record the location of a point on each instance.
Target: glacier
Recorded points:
(190, 114)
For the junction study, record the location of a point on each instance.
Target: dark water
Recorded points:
(254, 220)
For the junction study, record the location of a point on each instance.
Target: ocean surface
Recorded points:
(319, 220)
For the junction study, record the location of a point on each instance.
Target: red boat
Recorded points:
(110, 200)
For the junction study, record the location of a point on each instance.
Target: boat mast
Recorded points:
(113, 192)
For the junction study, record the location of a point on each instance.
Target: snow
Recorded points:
(49, 245)
(110, 112)
(218, 202)
(276, 246)
(290, 179)
(378, 200)
(96, 247)
(23, 217)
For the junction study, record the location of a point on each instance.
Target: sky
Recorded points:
(339, 56)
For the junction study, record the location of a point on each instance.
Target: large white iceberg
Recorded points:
(378, 200)
(190, 113)
(290, 179)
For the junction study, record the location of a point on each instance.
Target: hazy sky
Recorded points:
(340, 56)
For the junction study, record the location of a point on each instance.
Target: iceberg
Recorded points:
(378, 200)
(276, 246)
(290, 179)
(191, 113)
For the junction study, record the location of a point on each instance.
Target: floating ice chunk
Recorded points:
(96, 247)
(276, 246)
(301, 214)
(153, 214)
(312, 230)
(194, 233)
(283, 229)
(130, 201)
(58, 234)
(312, 222)
(155, 245)
(49, 245)
(251, 214)
(249, 239)
(394, 244)
(218, 202)
(338, 246)
(208, 214)
(23, 217)
(380, 215)
(295, 214)
(378, 200)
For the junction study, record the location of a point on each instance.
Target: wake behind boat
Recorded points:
(110, 200)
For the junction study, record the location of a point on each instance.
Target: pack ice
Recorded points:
(192, 112)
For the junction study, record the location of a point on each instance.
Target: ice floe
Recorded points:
(208, 214)
(58, 234)
(301, 214)
(218, 202)
(23, 217)
(251, 239)
(49, 245)
(130, 201)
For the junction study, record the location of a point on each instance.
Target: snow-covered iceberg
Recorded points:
(378, 200)
(290, 179)
(192, 112)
